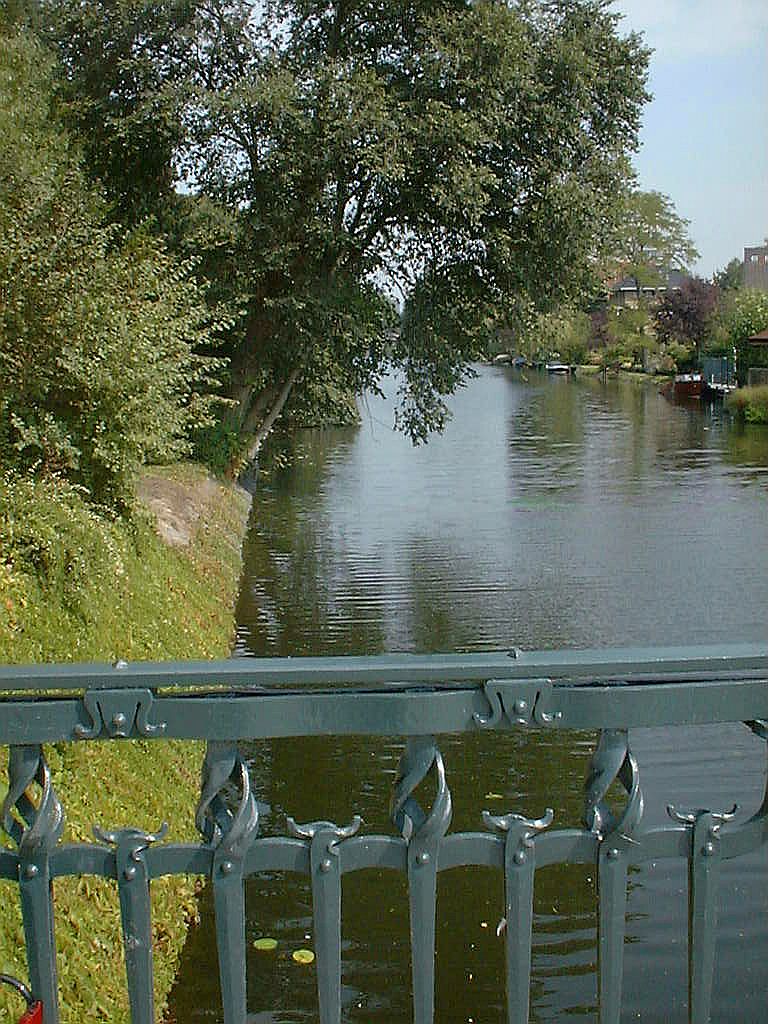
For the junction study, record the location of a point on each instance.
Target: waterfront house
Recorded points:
(628, 291)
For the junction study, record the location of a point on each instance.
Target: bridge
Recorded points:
(610, 691)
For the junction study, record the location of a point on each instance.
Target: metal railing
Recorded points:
(416, 697)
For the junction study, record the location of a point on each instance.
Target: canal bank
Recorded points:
(160, 587)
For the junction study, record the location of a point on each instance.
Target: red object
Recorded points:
(32, 1015)
(688, 385)
(34, 1011)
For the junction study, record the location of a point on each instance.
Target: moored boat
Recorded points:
(717, 389)
(688, 385)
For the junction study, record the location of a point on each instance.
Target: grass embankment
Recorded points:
(749, 404)
(634, 376)
(79, 586)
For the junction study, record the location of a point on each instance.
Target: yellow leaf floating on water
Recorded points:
(494, 796)
(303, 956)
(265, 945)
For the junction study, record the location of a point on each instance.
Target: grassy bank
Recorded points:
(78, 586)
(634, 376)
(749, 404)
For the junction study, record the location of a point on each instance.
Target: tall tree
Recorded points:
(464, 154)
(685, 314)
(652, 239)
(731, 276)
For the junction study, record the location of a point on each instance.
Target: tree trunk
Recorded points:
(260, 430)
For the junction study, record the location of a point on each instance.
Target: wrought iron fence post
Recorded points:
(135, 914)
(612, 761)
(36, 829)
(519, 871)
(703, 880)
(423, 833)
(325, 839)
(230, 833)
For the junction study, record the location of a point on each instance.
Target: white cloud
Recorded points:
(681, 29)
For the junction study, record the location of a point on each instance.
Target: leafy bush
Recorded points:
(100, 335)
(78, 583)
(49, 534)
(744, 315)
(750, 404)
(630, 334)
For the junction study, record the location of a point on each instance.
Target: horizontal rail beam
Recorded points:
(240, 716)
(599, 664)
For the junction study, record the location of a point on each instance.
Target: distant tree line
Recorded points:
(671, 318)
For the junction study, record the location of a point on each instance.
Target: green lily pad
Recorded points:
(265, 945)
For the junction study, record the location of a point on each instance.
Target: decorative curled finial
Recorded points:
(333, 835)
(690, 817)
(519, 830)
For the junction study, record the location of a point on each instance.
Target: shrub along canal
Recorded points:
(551, 513)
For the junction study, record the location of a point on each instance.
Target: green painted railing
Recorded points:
(417, 697)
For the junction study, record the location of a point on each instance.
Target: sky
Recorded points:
(704, 141)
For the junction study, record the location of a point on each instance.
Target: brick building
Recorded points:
(756, 267)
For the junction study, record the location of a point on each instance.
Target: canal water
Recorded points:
(552, 513)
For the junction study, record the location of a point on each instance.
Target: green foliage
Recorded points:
(651, 239)
(631, 335)
(742, 316)
(680, 355)
(219, 446)
(745, 314)
(99, 368)
(562, 334)
(468, 151)
(686, 315)
(731, 276)
(118, 93)
(750, 404)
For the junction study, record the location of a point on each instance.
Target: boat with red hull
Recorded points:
(688, 385)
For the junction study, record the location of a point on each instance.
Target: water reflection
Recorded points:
(552, 513)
